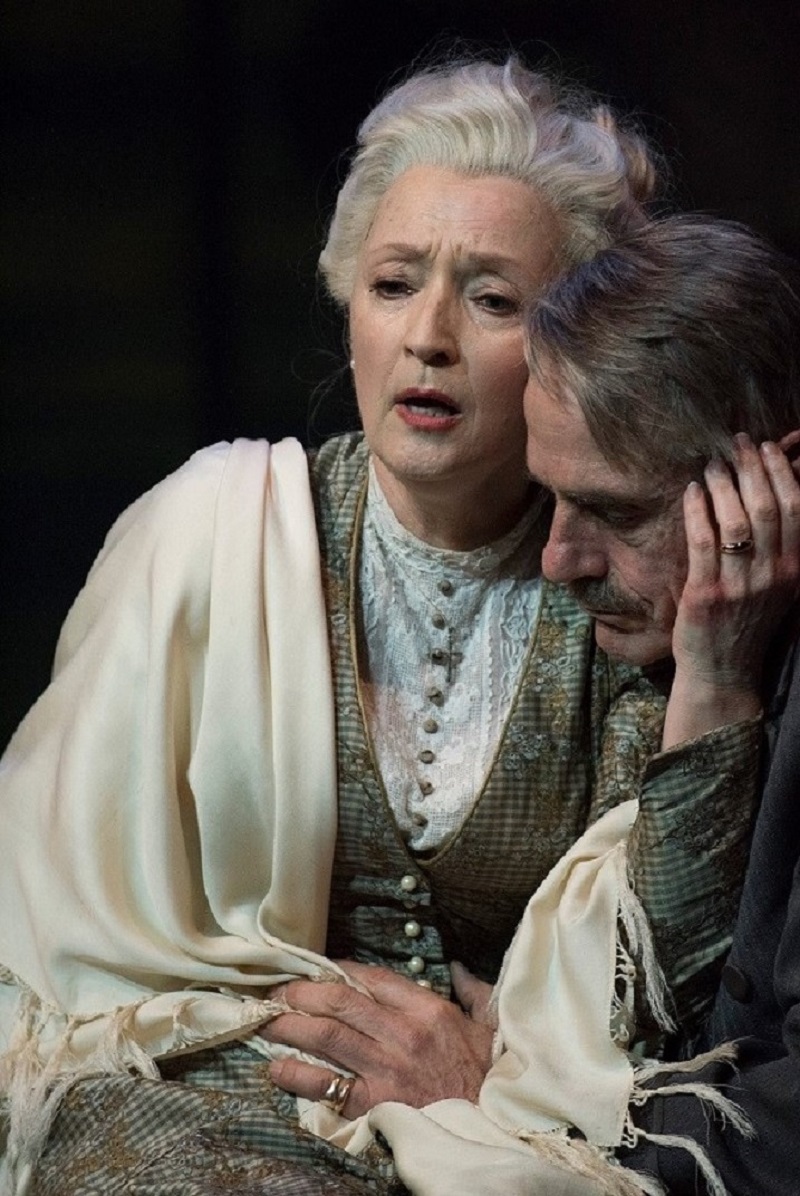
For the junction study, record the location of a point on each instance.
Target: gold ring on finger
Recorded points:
(736, 547)
(337, 1092)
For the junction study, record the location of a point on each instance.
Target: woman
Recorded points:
(170, 803)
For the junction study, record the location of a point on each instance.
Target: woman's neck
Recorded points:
(459, 520)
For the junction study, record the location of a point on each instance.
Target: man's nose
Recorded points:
(571, 551)
(432, 333)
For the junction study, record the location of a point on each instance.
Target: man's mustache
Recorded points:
(599, 595)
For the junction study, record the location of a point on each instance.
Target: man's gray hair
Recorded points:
(482, 118)
(673, 341)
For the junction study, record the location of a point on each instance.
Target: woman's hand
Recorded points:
(401, 1042)
(733, 602)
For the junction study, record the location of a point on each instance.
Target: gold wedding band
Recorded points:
(735, 547)
(337, 1092)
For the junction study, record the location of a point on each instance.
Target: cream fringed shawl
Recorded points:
(168, 817)
(162, 803)
(564, 1004)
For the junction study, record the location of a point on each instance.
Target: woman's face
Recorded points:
(436, 332)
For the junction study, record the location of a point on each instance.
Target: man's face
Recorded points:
(617, 539)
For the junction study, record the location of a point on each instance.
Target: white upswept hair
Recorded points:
(482, 118)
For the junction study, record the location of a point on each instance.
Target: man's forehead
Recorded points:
(563, 455)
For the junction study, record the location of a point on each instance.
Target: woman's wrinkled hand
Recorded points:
(734, 599)
(399, 1041)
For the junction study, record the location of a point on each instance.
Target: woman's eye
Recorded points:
(500, 305)
(391, 288)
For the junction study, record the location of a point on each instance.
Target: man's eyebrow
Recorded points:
(604, 499)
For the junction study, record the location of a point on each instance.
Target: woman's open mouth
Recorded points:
(428, 410)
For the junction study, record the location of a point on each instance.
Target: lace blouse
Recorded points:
(442, 669)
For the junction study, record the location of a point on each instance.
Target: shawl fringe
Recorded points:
(34, 1084)
(45, 1059)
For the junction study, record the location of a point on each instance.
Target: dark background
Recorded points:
(168, 171)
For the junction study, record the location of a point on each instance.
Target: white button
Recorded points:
(408, 883)
(446, 588)
(439, 621)
(424, 983)
(430, 726)
(412, 929)
(426, 787)
(416, 964)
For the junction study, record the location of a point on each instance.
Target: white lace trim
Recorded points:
(442, 670)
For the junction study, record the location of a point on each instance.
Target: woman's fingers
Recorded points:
(401, 1042)
(729, 507)
(348, 1095)
(786, 490)
(756, 499)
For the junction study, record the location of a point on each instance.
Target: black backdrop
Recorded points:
(168, 169)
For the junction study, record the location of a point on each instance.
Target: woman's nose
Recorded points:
(432, 332)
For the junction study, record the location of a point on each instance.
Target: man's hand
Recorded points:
(733, 603)
(400, 1041)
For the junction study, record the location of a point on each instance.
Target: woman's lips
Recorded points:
(427, 410)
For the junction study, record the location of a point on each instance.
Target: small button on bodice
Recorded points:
(412, 929)
(446, 587)
(430, 726)
(408, 883)
(439, 621)
(427, 756)
(416, 964)
(426, 787)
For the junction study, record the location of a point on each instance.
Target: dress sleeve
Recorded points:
(757, 1005)
(687, 856)
(688, 848)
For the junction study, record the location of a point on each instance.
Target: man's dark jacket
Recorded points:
(758, 1003)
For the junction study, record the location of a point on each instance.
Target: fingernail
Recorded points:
(768, 449)
(742, 440)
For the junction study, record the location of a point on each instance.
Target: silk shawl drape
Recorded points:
(161, 803)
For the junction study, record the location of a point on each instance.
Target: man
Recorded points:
(646, 363)
(652, 366)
